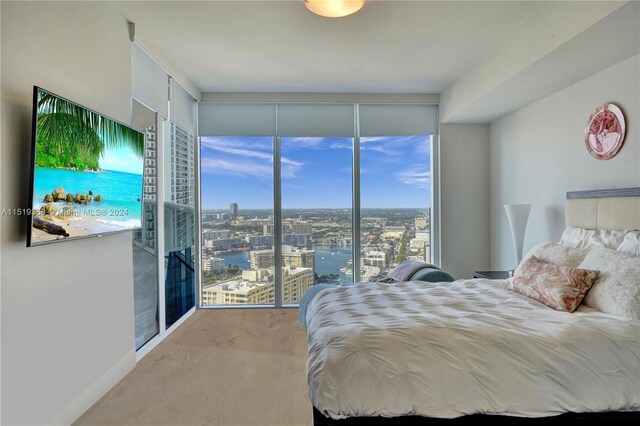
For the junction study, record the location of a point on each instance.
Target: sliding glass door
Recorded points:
(179, 222)
(145, 250)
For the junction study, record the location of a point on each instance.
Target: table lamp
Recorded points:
(518, 215)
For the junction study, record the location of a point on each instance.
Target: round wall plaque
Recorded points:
(604, 133)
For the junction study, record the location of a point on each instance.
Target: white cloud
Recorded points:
(369, 139)
(418, 176)
(302, 142)
(238, 157)
(338, 145)
(398, 145)
(236, 168)
(381, 149)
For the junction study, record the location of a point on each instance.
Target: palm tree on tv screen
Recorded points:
(72, 136)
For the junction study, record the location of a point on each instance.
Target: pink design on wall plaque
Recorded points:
(604, 133)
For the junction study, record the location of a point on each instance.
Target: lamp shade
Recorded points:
(334, 8)
(518, 215)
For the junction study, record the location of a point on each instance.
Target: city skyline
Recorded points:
(238, 256)
(316, 172)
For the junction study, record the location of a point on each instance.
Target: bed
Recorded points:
(423, 353)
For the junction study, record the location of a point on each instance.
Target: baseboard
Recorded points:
(155, 341)
(73, 411)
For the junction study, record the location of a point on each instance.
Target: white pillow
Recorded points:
(556, 254)
(631, 243)
(624, 241)
(617, 291)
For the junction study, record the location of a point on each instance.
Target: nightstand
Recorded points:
(492, 275)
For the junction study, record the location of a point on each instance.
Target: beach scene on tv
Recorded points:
(87, 173)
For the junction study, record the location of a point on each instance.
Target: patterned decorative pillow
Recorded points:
(559, 287)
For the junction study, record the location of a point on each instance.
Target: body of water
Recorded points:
(241, 259)
(328, 260)
(120, 193)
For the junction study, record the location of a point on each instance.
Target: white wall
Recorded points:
(538, 153)
(67, 308)
(464, 198)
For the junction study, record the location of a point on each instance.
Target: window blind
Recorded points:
(398, 120)
(183, 107)
(236, 119)
(149, 82)
(316, 120)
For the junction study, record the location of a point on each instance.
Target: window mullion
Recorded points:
(355, 207)
(277, 223)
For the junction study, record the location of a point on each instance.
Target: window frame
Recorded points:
(434, 223)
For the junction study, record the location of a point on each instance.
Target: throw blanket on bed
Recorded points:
(469, 346)
(403, 272)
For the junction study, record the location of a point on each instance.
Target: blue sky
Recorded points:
(121, 159)
(316, 172)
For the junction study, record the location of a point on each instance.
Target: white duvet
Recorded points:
(450, 349)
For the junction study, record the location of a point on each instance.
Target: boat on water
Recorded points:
(346, 271)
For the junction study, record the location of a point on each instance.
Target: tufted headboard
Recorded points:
(617, 209)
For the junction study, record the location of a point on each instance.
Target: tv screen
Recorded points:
(86, 177)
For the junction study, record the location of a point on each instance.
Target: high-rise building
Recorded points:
(261, 259)
(233, 210)
(267, 229)
(300, 228)
(295, 239)
(298, 258)
(224, 243)
(257, 287)
(259, 240)
(179, 184)
(421, 239)
(213, 264)
(147, 235)
(295, 282)
(376, 258)
(214, 234)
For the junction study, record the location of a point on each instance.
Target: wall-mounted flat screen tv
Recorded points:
(86, 175)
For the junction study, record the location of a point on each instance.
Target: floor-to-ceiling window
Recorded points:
(237, 220)
(395, 188)
(317, 193)
(316, 182)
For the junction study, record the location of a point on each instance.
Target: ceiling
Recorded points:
(482, 58)
(279, 46)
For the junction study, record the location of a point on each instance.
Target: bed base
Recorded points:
(621, 418)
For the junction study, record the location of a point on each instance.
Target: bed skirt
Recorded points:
(620, 417)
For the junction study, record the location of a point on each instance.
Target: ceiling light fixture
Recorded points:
(334, 8)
